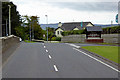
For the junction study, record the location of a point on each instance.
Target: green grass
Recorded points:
(29, 41)
(109, 52)
(108, 43)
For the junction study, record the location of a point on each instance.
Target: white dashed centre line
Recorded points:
(46, 50)
(44, 46)
(56, 69)
(50, 56)
(42, 43)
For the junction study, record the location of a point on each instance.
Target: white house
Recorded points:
(71, 26)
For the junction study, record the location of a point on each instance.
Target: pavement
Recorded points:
(54, 60)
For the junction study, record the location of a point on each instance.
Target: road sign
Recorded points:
(117, 18)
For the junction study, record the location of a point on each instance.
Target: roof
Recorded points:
(72, 25)
(94, 28)
(58, 28)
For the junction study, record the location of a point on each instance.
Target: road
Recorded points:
(53, 60)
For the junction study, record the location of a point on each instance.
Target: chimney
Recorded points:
(59, 24)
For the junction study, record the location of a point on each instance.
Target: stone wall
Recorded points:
(74, 38)
(108, 38)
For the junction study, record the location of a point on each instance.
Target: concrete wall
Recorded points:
(8, 42)
(108, 38)
(7, 46)
(0, 19)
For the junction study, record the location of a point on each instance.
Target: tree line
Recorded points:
(25, 27)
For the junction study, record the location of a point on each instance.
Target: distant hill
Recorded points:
(43, 26)
(107, 25)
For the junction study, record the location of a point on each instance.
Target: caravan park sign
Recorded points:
(117, 18)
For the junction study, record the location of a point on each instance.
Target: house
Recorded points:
(71, 26)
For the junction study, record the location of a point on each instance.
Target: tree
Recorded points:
(32, 25)
(20, 32)
(50, 33)
(15, 17)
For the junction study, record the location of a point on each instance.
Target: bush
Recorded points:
(53, 39)
(111, 30)
(56, 39)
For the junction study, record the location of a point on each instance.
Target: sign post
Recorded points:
(119, 12)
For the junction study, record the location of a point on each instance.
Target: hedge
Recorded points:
(65, 33)
(111, 30)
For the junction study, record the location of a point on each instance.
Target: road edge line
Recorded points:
(97, 60)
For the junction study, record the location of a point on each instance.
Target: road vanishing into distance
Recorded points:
(54, 60)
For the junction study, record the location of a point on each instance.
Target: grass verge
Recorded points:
(29, 41)
(109, 52)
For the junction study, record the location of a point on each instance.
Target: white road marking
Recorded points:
(42, 43)
(44, 46)
(50, 56)
(97, 60)
(56, 69)
(46, 50)
(73, 45)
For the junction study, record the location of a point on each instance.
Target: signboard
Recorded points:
(117, 18)
(93, 35)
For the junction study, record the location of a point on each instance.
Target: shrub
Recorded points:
(56, 39)
(111, 30)
(53, 39)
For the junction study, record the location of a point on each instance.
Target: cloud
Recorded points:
(88, 6)
(96, 12)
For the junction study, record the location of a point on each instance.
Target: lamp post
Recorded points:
(47, 26)
(9, 19)
(6, 28)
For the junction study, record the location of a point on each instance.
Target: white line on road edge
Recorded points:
(50, 56)
(46, 50)
(73, 45)
(56, 69)
(98, 60)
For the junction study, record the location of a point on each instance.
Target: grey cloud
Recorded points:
(88, 6)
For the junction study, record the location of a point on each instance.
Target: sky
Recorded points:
(95, 11)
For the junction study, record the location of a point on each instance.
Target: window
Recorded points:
(58, 32)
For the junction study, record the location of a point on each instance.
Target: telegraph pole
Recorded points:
(33, 29)
(30, 31)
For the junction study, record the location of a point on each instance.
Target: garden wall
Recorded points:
(108, 38)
